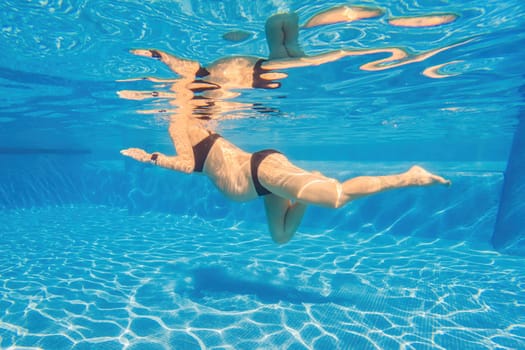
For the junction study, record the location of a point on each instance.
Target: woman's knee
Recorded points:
(281, 237)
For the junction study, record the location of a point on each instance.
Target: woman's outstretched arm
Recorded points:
(174, 162)
(181, 66)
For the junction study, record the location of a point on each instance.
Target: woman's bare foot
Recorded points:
(421, 177)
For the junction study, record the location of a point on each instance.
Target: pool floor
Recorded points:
(94, 277)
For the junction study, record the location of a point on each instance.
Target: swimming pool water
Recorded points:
(164, 281)
(99, 252)
(409, 271)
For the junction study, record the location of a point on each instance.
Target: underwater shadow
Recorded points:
(209, 281)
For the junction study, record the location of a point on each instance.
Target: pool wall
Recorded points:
(509, 234)
(466, 211)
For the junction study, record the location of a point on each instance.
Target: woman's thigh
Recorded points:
(281, 177)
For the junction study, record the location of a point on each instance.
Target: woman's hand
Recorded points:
(137, 154)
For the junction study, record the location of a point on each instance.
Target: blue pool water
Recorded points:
(100, 252)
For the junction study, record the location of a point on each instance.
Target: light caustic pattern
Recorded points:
(163, 282)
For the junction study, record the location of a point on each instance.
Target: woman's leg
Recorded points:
(282, 36)
(291, 35)
(366, 185)
(283, 217)
(275, 37)
(342, 14)
(286, 180)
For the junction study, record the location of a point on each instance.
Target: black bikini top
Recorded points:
(201, 150)
(202, 72)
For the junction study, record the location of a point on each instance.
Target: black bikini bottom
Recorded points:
(255, 161)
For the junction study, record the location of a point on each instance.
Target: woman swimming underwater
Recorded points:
(242, 176)
(287, 189)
